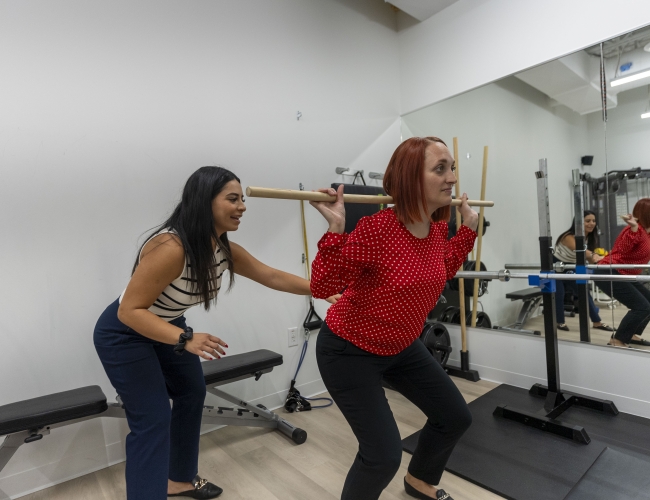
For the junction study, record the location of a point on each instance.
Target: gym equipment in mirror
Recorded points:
(592, 123)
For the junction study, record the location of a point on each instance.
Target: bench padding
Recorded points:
(52, 409)
(528, 293)
(87, 401)
(239, 365)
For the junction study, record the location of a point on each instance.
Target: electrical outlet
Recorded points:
(293, 336)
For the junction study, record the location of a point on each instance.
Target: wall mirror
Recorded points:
(557, 111)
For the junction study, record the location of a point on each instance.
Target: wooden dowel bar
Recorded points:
(294, 194)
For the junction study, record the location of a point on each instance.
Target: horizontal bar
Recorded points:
(561, 266)
(506, 275)
(293, 194)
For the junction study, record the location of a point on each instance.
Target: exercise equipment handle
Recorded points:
(293, 194)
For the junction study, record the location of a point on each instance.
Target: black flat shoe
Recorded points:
(604, 327)
(563, 327)
(410, 490)
(202, 490)
(640, 342)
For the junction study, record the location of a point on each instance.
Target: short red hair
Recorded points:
(641, 211)
(403, 181)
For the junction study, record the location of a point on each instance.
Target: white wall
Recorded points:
(474, 42)
(515, 121)
(107, 107)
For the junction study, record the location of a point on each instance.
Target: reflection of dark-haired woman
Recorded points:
(149, 353)
(394, 265)
(631, 247)
(565, 251)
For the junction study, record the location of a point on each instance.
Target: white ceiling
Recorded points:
(421, 9)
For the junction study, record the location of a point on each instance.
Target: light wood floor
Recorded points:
(612, 317)
(253, 463)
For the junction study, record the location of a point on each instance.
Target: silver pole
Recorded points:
(542, 199)
(505, 275)
(561, 266)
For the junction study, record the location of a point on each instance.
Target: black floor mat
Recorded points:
(522, 463)
(614, 476)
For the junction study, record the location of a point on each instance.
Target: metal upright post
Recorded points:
(553, 396)
(581, 257)
(555, 402)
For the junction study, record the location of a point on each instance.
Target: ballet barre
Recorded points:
(293, 194)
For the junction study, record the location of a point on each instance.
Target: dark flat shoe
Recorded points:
(604, 327)
(640, 342)
(563, 327)
(202, 490)
(410, 490)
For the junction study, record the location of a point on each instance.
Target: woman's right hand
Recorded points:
(205, 345)
(334, 212)
(630, 220)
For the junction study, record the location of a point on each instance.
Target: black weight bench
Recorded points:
(532, 298)
(28, 421)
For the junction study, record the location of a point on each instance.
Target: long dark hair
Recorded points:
(193, 222)
(592, 238)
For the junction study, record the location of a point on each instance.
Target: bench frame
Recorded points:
(246, 414)
(529, 306)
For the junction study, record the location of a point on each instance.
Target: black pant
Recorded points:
(635, 297)
(353, 377)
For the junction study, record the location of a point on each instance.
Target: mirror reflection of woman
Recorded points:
(565, 251)
(632, 246)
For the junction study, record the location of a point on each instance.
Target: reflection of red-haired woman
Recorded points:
(393, 267)
(631, 247)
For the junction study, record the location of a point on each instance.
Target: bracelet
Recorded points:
(187, 334)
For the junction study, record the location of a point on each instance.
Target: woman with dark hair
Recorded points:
(150, 354)
(565, 251)
(393, 267)
(632, 246)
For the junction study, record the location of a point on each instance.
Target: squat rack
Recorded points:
(556, 400)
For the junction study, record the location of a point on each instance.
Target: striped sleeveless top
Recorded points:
(565, 254)
(178, 296)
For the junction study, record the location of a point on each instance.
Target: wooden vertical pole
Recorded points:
(461, 281)
(480, 236)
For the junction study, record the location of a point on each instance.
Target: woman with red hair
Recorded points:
(631, 247)
(393, 267)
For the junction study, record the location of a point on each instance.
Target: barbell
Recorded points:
(505, 275)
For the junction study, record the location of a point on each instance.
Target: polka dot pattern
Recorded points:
(629, 248)
(393, 279)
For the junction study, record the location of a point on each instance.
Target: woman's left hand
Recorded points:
(470, 217)
(334, 298)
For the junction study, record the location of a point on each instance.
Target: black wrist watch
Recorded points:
(187, 334)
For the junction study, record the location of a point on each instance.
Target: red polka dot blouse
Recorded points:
(393, 279)
(629, 248)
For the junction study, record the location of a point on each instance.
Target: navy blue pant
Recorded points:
(164, 441)
(632, 295)
(564, 287)
(570, 287)
(353, 377)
